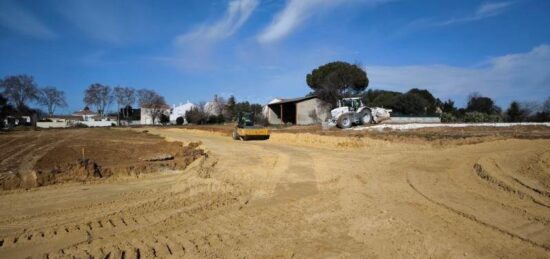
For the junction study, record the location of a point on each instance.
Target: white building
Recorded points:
(147, 119)
(179, 111)
(86, 113)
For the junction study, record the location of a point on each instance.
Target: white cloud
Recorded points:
(515, 76)
(483, 11)
(16, 18)
(296, 12)
(237, 13)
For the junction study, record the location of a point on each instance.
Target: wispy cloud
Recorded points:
(19, 20)
(296, 12)
(484, 11)
(105, 21)
(195, 48)
(522, 75)
(237, 13)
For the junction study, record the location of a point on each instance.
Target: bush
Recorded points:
(448, 117)
(473, 117)
(179, 120)
(164, 119)
(80, 125)
(477, 117)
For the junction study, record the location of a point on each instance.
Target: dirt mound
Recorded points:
(96, 154)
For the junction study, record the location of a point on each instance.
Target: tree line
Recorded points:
(17, 92)
(220, 110)
(336, 80)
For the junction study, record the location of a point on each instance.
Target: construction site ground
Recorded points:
(304, 193)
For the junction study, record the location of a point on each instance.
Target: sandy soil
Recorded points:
(39, 158)
(300, 195)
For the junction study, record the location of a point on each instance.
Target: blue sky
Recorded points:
(261, 49)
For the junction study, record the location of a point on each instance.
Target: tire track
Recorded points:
(475, 219)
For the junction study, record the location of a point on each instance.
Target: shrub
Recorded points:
(477, 117)
(448, 117)
(179, 120)
(80, 125)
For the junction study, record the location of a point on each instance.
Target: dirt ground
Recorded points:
(301, 195)
(38, 158)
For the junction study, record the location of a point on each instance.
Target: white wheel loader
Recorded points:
(352, 111)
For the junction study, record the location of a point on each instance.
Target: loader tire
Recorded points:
(366, 117)
(344, 121)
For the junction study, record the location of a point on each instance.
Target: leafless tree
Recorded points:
(125, 97)
(99, 96)
(216, 106)
(19, 89)
(154, 103)
(197, 114)
(546, 105)
(51, 98)
(531, 107)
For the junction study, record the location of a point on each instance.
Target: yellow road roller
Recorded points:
(246, 128)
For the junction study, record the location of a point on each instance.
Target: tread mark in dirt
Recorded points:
(138, 253)
(89, 225)
(29, 237)
(123, 221)
(15, 240)
(154, 251)
(473, 218)
(112, 223)
(169, 250)
(100, 224)
(123, 255)
(107, 256)
(1, 242)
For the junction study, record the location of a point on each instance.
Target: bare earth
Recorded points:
(299, 195)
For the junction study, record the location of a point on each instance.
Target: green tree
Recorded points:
(432, 102)
(335, 80)
(412, 104)
(477, 103)
(229, 110)
(449, 107)
(381, 98)
(515, 113)
(5, 110)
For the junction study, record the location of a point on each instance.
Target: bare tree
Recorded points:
(546, 105)
(154, 103)
(216, 106)
(197, 114)
(125, 97)
(51, 98)
(98, 95)
(19, 89)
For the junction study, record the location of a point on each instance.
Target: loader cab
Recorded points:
(352, 103)
(245, 119)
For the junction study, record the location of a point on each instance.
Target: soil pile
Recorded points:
(89, 154)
